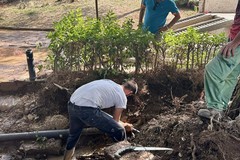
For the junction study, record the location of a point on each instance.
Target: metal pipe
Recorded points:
(48, 134)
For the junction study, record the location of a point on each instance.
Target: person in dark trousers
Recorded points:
(221, 74)
(85, 106)
(155, 14)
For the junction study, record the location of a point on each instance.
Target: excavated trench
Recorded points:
(163, 119)
(24, 133)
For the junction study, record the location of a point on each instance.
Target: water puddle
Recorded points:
(8, 102)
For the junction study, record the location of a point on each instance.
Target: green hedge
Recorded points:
(80, 43)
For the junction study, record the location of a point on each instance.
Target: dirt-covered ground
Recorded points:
(43, 13)
(164, 111)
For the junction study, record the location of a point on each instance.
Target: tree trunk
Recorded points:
(234, 108)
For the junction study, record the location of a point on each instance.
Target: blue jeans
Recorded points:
(81, 117)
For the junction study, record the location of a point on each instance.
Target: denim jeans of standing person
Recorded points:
(81, 117)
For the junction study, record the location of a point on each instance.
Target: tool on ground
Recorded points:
(60, 87)
(122, 151)
(135, 130)
(63, 88)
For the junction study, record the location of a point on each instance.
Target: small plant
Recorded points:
(40, 67)
(41, 141)
(31, 13)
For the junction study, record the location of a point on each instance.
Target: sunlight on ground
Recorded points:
(14, 67)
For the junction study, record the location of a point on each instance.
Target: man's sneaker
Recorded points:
(211, 114)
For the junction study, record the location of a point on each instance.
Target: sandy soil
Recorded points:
(13, 45)
(14, 66)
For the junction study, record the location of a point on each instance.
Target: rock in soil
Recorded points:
(111, 150)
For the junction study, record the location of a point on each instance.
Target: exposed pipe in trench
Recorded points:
(48, 134)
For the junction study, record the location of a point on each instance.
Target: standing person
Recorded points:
(85, 107)
(221, 74)
(156, 15)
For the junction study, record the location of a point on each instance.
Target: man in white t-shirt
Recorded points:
(85, 107)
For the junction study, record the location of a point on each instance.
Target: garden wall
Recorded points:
(219, 6)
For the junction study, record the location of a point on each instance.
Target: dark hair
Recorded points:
(131, 85)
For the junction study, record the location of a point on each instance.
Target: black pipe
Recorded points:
(31, 70)
(48, 134)
(96, 5)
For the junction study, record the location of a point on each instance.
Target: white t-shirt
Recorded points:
(100, 93)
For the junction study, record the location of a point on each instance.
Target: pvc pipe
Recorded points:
(48, 134)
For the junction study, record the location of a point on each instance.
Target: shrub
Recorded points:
(80, 43)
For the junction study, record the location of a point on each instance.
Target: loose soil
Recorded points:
(164, 110)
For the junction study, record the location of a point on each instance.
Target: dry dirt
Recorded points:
(42, 13)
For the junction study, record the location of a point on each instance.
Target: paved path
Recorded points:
(229, 16)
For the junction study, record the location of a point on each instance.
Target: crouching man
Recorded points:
(85, 106)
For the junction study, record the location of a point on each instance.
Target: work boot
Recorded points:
(68, 155)
(211, 113)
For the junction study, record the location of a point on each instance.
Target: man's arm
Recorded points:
(141, 14)
(177, 16)
(229, 49)
(117, 116)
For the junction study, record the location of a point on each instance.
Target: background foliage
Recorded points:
(80, 43)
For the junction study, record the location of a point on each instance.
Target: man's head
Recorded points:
(130, 87)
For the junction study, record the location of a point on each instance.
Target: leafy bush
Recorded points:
(190, 49)
(80, 43)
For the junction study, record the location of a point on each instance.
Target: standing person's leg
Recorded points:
(76, 127)
(220, 79)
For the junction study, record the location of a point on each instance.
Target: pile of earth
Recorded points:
(164, 110)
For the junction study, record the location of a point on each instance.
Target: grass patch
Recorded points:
(31, 13)
(54, 11)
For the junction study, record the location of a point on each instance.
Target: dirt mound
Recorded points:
(164, 111)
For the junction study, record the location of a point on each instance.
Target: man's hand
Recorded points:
(128, 127)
